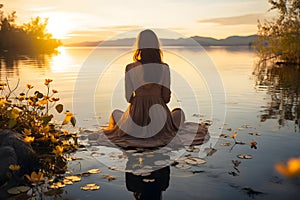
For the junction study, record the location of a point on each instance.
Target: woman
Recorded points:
(147, 122)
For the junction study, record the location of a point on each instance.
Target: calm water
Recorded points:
(90, 83)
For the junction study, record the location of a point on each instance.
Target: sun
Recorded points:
(59, 27)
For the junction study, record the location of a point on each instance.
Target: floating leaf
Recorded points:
(225, 144)
(110, 178)
(161, 162)
(18, 190)
(148, 180)
(194, 161)
(73, 178)
(59, 108)
(14, 167)
(244, 156)
(90, 186)
(57, 185)
(94, 171)
(253, 145)
(223, 135)
(240, 142)
(246, 126)
(183, 166)
(236, 163)
(254, 133)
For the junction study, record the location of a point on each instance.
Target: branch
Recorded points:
(11, 91)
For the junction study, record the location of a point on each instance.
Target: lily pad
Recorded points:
(148, 180)
(57, 185)
(225, 144)
(94, 171)
(245, 156)
(183, 166)
(73, 178)
(18, 190)
(254, 133)
(161, 162)
(194, 161)
(90, 186)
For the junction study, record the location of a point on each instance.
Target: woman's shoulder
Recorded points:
(132, 65)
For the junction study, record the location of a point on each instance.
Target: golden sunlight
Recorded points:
(58, 26)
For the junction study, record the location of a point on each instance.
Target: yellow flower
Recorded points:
(35, 177)
(58, 150)
(28, 139)
(68, 117)
(53, 139)
(291, 169)
(3, 83)
(27, 131)
(2, 102)
(54, 99)
(28, 86)
(14, 167)
(42, 102)
(47, 81)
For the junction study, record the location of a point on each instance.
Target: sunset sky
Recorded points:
(92, 20)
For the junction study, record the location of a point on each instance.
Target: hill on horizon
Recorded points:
(204, 41)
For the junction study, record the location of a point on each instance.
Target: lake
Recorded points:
(221, 84)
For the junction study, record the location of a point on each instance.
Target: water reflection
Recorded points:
(283, 86)
(11, 62)
(147, 174)
(150, 186)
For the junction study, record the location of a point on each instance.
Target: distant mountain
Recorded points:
(204, 41)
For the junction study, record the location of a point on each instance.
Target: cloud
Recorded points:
(248, 19)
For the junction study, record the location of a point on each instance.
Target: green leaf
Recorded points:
(39, 95)
(73, 120)
(59, 108)
(11, 123)
(47, 119)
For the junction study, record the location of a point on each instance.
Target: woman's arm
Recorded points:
(166, 83)
(128, 85)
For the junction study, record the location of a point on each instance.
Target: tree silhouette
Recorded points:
(29, 37)
(279, 38)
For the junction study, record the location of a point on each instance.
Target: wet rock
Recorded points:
(14, 151)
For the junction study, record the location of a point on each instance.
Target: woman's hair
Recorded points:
(147, 48)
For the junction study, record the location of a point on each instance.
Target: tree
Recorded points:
(29, 37)
(279, 39)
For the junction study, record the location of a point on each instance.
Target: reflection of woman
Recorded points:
(144, 177)
(147, 122)
(148, 187)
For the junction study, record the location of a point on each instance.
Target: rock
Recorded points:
(14, 151)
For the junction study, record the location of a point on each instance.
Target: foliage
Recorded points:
(279, 38)
(28, 113)
(31, 36)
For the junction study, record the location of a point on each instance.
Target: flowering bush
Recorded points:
(28, 113)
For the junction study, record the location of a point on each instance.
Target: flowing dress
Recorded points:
(148, 122)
